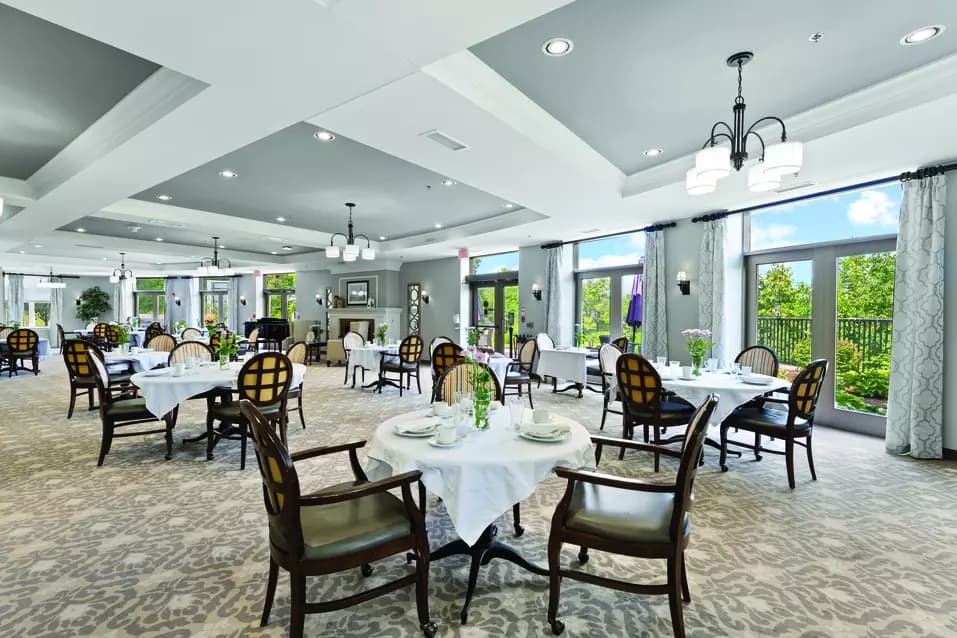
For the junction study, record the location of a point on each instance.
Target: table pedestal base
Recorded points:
(570, 386)
(485, 549)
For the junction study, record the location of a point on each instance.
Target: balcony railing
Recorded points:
(790, 338)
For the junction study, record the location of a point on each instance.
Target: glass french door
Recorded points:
(602, 301)
(495, 314)
(831, 302)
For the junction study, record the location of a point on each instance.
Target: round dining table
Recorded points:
(367, 357)
(482, 476)
(142, 358)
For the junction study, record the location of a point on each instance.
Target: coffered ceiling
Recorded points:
(158, 98)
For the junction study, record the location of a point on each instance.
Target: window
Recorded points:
(610, 252)
(149, 299)
(36, 314)
(605, 277)
(280, 292)
(214, 300)
(856, 214)
(487, 264)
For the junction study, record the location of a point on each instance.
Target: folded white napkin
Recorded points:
(419, 427)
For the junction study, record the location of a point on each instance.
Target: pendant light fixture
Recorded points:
(215, 266)
(714, 162)
(51, 282)
(122, 273)
(351, 251)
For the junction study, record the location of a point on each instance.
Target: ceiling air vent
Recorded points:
(88, 246)
(794, 187)
(441, 138)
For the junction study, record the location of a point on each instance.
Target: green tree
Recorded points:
(596, 309)
(779, 296)
(94, 303)
(280, 281)
(865, 286)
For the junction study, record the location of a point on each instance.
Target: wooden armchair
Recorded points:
(621, 343)
(520, 372)
(607, 365)
(444, 356)
(190, 334)
(297, 354)
(336, 528)
(162, 342)
(23, 345)
(350, 341)
(406, 366)
(629, 517)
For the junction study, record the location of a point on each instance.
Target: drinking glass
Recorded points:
(712, 365)
(674, 364)
(661, 361)
(516, 408)
(745, 371)
(735, 369)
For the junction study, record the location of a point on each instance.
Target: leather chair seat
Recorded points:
(398, 366)
(764, 421)
(517, 377)
(293, 392)
(352, 526)
(86, 382)
(593, 371)
(230, 411)
(634, 517)
(132, 408)
(672, 412)
(120, 377)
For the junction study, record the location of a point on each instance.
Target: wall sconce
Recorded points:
(537, 292)
(177, 300)
(425, 297)
(684, 284)
(78, 301)
(242, 300)
(318, 298)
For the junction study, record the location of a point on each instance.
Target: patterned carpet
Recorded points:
(145, 547)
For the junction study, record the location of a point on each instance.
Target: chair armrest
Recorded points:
(608, 480)
(601, 441)
(326, 449)
(364, 489)
(768, 398)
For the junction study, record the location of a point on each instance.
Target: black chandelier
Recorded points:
(122, 273)
(350, 251)
(714, 161)
(212, 266)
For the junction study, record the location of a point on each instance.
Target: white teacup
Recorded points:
(447, 434)
(686, 371)
(745, 371)
(179, 369)
(442, 409)
(541, 415)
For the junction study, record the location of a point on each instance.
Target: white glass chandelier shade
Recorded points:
(350, 250)
(114, 279)
(713, 162)
(51, 283)
(760, 181)
(368, 254)
(696, 185)
(332, 252)
(348, 258)
(784, 158)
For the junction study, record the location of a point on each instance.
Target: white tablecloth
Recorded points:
(43, 346)
(499, 364)
(567, 364)
(733, 392)
(141, 360)
(163, 393)
(368, 356)
(484, 475)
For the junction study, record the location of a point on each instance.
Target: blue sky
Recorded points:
(624, 250)
(496, 263)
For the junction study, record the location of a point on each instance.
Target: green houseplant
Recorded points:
(94, 302)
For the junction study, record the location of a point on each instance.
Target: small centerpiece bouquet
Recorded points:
(699, 342)
(123, 338)
(227, 347)
(481, 380)
(179, 326)
(579, 335)
(380, 332)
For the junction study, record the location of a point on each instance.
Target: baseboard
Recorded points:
(950, 455)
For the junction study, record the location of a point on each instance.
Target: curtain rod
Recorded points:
(651, 228)
(45, 275)
(903, 177)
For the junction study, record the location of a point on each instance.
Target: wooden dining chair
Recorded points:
(297, 354)
(436, 342)
(607, 366)
(406, 365)
(101, 336)
(444, 356)
(794, 425)
(520, 374)
(80, 372)
(23, 345)
(761, 359)
(189, 334)
(185, 350)
(629, 517)
(621, 343)
(264, 381)
(645, 404)
(152, 330)
(162, 343)
(340, 527)
(458, 378)
(62, 334)
(123, 411)
(350, 341)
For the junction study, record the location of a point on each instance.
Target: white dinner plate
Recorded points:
(162, 372)
(434, 442)
(687, 378)
(530, 436)
(414, 431)
(758, 380)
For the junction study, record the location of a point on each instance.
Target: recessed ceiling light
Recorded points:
(438, 225)
(280, 219)
(23, 252)
(923, 34)
(815, 37)
(38, 245)
(324, 136)
(164, 197)
(509, 205)
(448, 182)
(556, 47)
(273, 252)
(287, 247)
(228, 174)
(105, 258)
(159, 239)
(158, 263)
(652, 152)
(381, 237)
(222, 245)
(81, 230)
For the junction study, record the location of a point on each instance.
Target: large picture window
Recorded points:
(605, 277)
(149, 299)
(280, 292)
(214, 300)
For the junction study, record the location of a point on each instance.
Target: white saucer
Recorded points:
(757, 380)
(687, 378)
(417, 435)
(528, 436)
(435, 443)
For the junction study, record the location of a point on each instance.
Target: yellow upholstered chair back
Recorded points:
(444, 356)
(183, 351)
(265, 378)
(410, 350)
(102, 330)
(621, 343)
(638, 382)
(22, 340)
(162, 343)
(297, 352)
(806, 389)
(75, 353)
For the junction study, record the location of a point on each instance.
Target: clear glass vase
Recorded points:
(696, 364)
(223, 360)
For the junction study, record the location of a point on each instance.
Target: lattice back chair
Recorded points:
(184, 350)
(123, 411)
(407, 365)
(794, 426)
(349, 342)
(444, 356)
(297, 353)
(5, 331)
(458, 378)
(607, 365)
(23, 345)
(338, 528)
(162, 343)
(101, 336)
(520, 372)
(630, 517)
(436, 342)
(761, 359)
(644, 402)
(113, 334)
(264, 381)
(190, 334)
(252, 341)
(621, 343)
(79, 371)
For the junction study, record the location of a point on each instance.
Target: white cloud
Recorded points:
(771, 236)
(607, 261)
(872, 208)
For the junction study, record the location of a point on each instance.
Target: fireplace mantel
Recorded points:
(376, 316)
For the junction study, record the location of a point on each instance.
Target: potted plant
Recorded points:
(179, 326)
(93, 303)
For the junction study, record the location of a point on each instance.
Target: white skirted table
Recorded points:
(499, 364)
(142, 359)
(565, 363)
(478, 479)
(367, 357)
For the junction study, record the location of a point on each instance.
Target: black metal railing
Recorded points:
(790, 337)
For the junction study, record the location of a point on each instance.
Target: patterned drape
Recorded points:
(170, 306)
(711, 284)
(553, 294)
(14, 299)
(232, 320)
(915, 413)
(116, 302)
(654, 329)
(194, 313)
(126, 300)
(56, 316)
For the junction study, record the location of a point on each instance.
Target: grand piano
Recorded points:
(272, 332)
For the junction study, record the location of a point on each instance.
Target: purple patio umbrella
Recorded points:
(633, 317)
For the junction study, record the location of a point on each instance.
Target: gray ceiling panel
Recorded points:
(290, 174)
(54, 83)
(647, 74)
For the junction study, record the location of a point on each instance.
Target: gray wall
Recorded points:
(178, 313)
(531, 270)
(383, 285)
(73, 289)
(682, 252)
(247, 289)
(309, 283)
(950, 317)
(440, 278)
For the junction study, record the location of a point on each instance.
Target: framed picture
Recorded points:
(357, 292)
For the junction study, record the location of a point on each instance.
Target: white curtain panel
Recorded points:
(654, 327)
(232, 320)
(915, 413)
(194, 313)
(56, 316)
(711, 284)
(116, 302)
(126, 299)
(170, 306)
(14, 299)
(553, 293)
